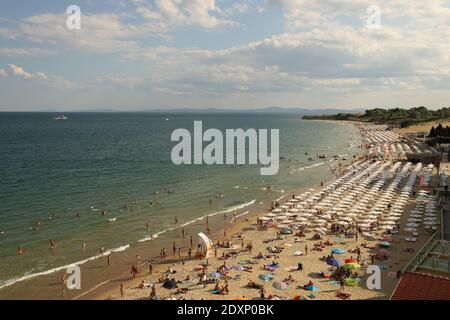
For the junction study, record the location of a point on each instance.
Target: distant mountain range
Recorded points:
(302, 111)
(279, 110)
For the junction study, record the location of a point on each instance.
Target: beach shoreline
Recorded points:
(246, 231)
(106, 292)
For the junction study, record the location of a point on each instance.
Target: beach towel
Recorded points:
(311, 288)
(290, 268)
(266, 277)
(337, 251)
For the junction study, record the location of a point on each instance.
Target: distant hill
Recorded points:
(396, 116)
(300, 111)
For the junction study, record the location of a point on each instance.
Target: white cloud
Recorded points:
(201, 13)
(40, 78)
(324, 54)
(20, 72)
(3, 73)
(28, 52)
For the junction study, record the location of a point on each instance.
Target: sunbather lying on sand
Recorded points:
(290, 279)
(254, 285)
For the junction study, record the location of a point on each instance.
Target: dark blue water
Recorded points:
(95, 162)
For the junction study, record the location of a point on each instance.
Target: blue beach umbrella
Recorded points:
(334, 263)
(337, 251)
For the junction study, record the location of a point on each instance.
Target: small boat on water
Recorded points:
(60, 117)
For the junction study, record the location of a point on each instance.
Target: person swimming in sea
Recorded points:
(52, 244)
(176, 219)
(147, 225)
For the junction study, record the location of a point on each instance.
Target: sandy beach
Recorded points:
(244, 266)
(422, 127)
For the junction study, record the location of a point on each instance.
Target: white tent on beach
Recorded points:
(206, 245)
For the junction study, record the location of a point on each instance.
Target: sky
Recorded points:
(234, 54)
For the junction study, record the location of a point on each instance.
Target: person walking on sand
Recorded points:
(341, 284)
(190, 253)
(176, 219)
(147, 225)
(52, 244)
(262, 293)
(225, 233)
(192, 241)
(179, 253)
(306, 250)
(183, 233)
(134, 271)
(121, 290)
(20, 250)
(63, 282)
(83, 246)
(109, 260)
(174, 248)
(153, 293)
(150, 269)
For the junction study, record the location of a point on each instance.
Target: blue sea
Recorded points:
(120, 163)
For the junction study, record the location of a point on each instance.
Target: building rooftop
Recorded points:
(419, 286)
